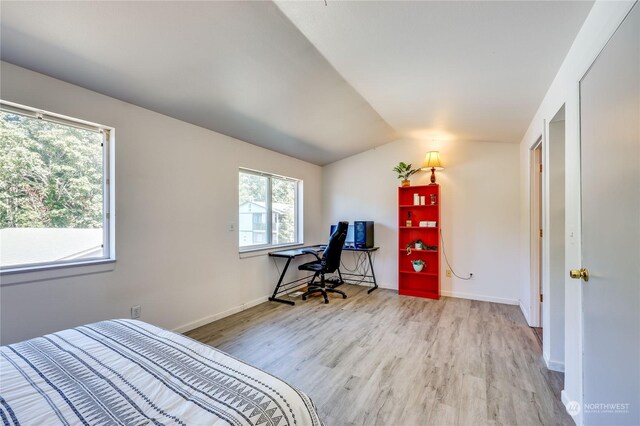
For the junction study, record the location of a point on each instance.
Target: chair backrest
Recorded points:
(331, 255)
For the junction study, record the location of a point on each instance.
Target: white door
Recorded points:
(610, 176)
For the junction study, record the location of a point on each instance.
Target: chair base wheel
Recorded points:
(323, 292)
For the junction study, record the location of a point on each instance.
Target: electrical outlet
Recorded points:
(136, 311)
(448, 273)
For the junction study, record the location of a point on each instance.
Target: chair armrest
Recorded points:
(311, 251)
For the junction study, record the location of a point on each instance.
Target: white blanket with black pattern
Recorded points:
(131, 373)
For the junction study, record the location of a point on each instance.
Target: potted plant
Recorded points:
(418, 264)
(417, 244)
(404, 172)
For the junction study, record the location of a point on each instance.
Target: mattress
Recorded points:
(129, 372)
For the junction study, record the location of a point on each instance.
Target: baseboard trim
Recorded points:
(525, 312)
(566, 399)
(553, 365)
(215, 317)
(211, 318)
(479, 297)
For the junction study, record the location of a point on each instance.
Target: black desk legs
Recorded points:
(273, 297)
(373, 274)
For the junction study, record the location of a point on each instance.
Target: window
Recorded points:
(268, 211)
(54, 189)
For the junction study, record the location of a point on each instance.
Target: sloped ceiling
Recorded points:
(238, 68)
(461, 70)
(315, 82)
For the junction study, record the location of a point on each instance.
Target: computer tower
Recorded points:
(363, 233)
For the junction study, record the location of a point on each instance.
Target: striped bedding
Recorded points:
(131, 373)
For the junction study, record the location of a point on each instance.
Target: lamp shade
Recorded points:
(432, 161)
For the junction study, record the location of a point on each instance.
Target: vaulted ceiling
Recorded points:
(463, 70)
(315, 82)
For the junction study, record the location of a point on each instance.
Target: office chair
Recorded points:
(328, 263)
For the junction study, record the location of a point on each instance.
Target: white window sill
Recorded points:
(52, 272)
(263, 251)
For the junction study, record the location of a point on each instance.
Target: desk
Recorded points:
(283, 287)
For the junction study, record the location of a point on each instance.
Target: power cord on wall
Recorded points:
(447, 260)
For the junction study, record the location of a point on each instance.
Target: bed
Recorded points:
(132, 373)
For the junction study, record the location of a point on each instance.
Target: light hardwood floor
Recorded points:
(385, 359)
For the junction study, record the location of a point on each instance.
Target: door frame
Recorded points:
(536, 206)
(551, 303)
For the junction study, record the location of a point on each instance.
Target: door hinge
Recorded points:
(540, 167)
(540, 232)
(541, 298)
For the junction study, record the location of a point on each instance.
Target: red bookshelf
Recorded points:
(425, 283)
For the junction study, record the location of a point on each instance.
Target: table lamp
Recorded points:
(432, 161)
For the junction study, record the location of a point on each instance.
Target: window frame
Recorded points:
(108, 201)
(298, 231)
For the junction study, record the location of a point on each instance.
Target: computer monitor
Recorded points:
(350, 240)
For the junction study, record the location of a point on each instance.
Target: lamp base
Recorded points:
(433, 176)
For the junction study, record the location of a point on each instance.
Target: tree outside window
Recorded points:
(51, 191)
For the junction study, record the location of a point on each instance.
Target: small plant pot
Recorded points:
(406, 183)
(419, 246)
(417, 266)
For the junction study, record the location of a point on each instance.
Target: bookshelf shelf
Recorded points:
(426, 274)
(420, 227)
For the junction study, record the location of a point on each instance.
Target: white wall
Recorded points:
(480, 213)
(601, 23)
(176, 194)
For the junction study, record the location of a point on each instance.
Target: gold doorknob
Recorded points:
(579, 273)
